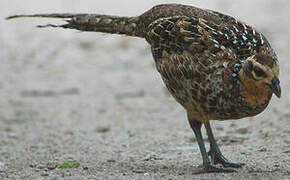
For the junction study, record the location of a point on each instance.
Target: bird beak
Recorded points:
(275, 86)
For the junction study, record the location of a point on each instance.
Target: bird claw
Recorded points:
(211, 168)
(220, 159)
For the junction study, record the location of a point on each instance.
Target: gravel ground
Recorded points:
(92, 106)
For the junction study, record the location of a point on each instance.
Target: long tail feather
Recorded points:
(94, 22)
(65, 15)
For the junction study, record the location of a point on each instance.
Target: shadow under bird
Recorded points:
(215, 66)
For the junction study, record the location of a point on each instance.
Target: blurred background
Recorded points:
(97, 100)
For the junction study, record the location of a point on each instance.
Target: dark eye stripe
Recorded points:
(259, 72)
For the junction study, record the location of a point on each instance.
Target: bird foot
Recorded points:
(220, 159)
(211, 168)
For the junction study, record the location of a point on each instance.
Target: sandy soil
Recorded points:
(97, 102)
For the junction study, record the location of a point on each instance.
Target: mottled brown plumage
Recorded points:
(215, 66)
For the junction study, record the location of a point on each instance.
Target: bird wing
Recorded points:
(191, 56)
(175, 34)
(204, 34)
(189, 43)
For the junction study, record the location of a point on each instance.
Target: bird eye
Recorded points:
(259, 72)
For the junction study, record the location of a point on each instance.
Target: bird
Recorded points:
(214, 65)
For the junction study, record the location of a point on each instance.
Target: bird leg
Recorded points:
(208, 166)
(215, 153)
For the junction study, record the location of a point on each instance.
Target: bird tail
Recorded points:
(130, 26)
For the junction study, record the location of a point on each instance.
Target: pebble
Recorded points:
(231, 139)
(146, 174)
(111, 160)
(103, 129)
(139, 171)
(243, 130)
(233, 125)
(246, 153)
(32, 165)
(44, 174)
(276, 164)
(263, 149)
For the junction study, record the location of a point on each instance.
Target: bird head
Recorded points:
(263, 71)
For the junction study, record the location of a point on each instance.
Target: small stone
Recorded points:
(111, 160)
(164, 167)
(32, 165)
(41, 166)
(138, 171)
(243, 130)
(230, 139)
(276, 164)
(233, 125)
(103, 129)
(246, 153)
(44, 174)
(51, 166)
(263, 149)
